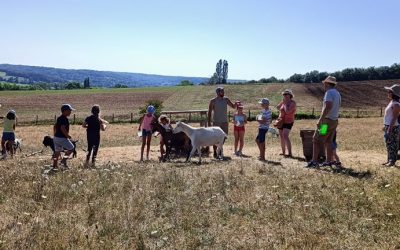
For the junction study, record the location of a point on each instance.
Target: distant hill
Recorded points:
(34, 74)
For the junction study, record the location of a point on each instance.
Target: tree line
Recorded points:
(348, 74)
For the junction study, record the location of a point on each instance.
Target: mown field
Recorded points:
(231, 204)
(369, 96)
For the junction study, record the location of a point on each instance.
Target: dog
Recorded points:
(13, 146)
(273, 132)
(49, 142)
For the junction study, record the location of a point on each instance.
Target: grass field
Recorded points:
(123, 102)
(236, 203)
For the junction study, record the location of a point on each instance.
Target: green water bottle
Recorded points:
(323, 129)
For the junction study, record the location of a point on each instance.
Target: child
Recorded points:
(239, 119)
(145, 127)
(264, 120)
(8, 131)
(164, 121)
(61, 137)
(93, 125)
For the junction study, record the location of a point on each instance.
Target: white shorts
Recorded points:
(61, 143)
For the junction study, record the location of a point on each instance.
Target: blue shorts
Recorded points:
(146, 133)
(8, 136)
(261, 135)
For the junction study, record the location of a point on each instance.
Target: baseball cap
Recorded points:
(151, 109)
(264, 101)
(66, 107)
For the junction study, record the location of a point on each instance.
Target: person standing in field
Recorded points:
(264, 120)
(329, 118)
(9, 123)
(239, 121)
(391, 125)
(287, 111)
(62, 137)
(93, 125)
(146, 130)
(218, 108)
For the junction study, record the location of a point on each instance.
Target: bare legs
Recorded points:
(285, 141)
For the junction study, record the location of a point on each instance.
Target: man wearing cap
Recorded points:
(329, 117)
(62, 137)
(218, 106)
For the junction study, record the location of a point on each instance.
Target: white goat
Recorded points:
(202, 137)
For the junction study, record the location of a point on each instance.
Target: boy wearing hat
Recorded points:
(62, 137)
(264, 120)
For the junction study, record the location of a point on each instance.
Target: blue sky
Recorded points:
(177, 37)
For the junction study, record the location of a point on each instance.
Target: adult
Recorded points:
(391, 125)
(329, 117)
(218, 107)
(287, 110)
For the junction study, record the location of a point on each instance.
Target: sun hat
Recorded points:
(162, 117)
(151, 109)
(395, 88)
(66, 107)
(288, 91)
(264, 101)
(240, 106)
(330, 79)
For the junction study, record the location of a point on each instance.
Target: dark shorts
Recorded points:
(8, 136)
(223, 125)
(261, 135)
(146, 132)
(287, 125)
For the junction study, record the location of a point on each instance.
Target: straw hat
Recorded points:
(330, 79)
(395, 89)
(288, 91)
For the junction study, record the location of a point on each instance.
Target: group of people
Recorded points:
(324, 135)
(217, 116)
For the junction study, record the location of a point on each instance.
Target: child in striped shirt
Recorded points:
(264, 120)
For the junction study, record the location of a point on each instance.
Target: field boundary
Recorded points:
(301, 114)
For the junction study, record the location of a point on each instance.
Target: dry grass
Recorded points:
(237, 203)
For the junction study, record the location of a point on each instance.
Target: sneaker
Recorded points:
(312, 164)
(391, 164)
(337, 164)
(215, 155)
(326, 164)
(3, 156)
(239, 153)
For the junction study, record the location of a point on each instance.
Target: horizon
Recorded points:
(261, 39)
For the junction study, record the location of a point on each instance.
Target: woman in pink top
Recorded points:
(287, 110)
(145, 127)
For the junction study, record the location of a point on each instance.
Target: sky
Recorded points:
(258, 38)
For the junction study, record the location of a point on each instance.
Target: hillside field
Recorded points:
(122, 102)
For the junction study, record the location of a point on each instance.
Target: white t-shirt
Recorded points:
(387, 119)
(332, 95)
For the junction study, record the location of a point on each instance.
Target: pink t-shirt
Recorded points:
(288, 117)
(146, 123)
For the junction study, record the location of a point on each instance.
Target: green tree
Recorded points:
(86, 83)
(185, 83)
